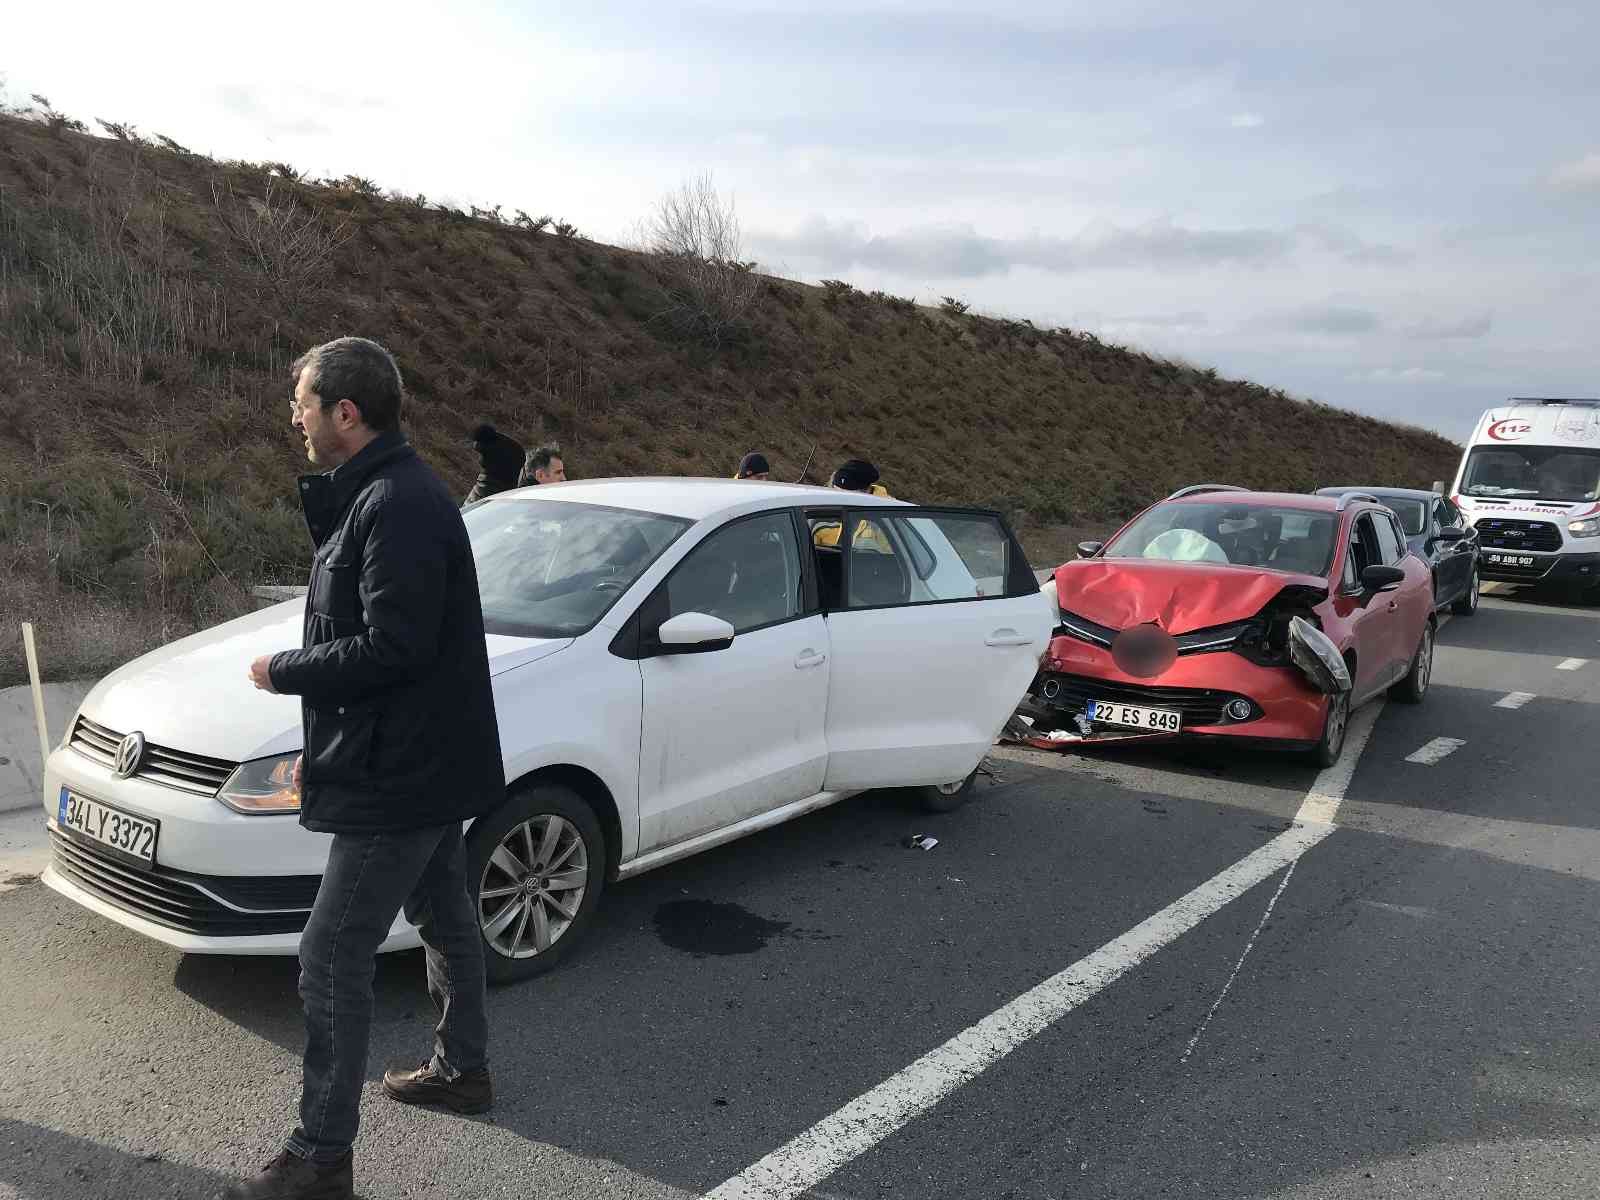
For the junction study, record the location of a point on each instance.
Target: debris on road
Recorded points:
(920, 841)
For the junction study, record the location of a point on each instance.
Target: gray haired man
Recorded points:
(401, 747)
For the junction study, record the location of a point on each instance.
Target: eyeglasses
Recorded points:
(296, 408)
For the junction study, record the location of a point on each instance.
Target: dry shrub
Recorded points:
(708, 288)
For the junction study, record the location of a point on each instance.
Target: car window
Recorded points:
(1448, 516)
(925, 559)
(1364, 549)
(1350, 577)
(1255, 535)
(1391, 546)
(747, 573)
(550, 568)
(1413, 514)
(1557, 473)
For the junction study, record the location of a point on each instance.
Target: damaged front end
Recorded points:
(1076, 678)
(1318, 658)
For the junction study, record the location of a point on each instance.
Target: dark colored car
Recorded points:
(1438, 534)
(1225, 614)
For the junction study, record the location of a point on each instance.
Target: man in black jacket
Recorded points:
(401, 747)
(499, 460)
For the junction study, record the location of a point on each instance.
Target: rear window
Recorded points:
(1280, 539)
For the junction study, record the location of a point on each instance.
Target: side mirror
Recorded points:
(1381, 578)
(1090, 549)
(694, 633)
(1450, 535)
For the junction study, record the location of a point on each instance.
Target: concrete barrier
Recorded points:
(21, 772)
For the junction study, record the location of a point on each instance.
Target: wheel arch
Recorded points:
(594, 792)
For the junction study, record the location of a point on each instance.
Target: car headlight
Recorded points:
(1588, 527)
(264, 785)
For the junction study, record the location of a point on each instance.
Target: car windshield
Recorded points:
(1413, 514)
(552, 569)
(1560, 473)
(1249, 535)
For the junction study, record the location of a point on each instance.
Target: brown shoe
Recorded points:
(469, 1092)
(290, 1177)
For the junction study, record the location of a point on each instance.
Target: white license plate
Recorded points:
(1161, 720)
(130, 836)
(1511, 560)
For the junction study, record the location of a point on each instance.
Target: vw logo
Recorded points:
(130, 753)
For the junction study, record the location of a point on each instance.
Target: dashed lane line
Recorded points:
(1435, 751)
(1514, 699)
(1572, 664)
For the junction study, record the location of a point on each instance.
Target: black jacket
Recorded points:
(399, 717)
(500, 458)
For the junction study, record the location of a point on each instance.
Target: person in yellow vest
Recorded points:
(855, 475)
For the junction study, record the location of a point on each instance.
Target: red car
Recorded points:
(1225, 613)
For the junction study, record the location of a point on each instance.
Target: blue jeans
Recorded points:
(368, 879)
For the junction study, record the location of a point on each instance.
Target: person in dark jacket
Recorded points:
(500, 461)
(754, 466)
(543, 465)
(401, 747)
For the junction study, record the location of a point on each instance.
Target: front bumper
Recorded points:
(223, 883)
(1546, 568)
(1287, 710)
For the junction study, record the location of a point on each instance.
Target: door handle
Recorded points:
(809, 658)
(1007, 637)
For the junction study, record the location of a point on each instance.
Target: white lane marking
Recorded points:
(1572, 664)
(1322, 802)
(1435, 751)
(1248, 946)
(1514, 700)
(867, 1120)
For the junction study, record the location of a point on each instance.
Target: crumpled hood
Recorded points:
(1180, 597)
(195, 694)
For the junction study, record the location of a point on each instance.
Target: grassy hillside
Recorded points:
(151, 301)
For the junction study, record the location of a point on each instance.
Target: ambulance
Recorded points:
(1529, 482)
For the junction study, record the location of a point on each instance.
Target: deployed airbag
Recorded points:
(1318, 658)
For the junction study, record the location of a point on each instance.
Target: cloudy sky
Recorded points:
(1390, 206)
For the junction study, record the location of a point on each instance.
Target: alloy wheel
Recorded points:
(533, 886)
(1338, 718)
(1425, 661)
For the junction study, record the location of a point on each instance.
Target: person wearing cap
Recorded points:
(754, 466)
(499, 459)
(854, 475)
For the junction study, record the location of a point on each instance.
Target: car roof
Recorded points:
(692, 498)
(1381, 492)
(1262, 499)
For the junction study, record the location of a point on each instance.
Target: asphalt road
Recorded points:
(1417, 1016)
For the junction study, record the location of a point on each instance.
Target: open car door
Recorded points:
(937, 626)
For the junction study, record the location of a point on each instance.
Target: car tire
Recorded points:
(576, 857)
(1467, 603)
(1335, 725)
(1414, 687)
(945, 797)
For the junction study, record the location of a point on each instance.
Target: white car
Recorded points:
(676, 663)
